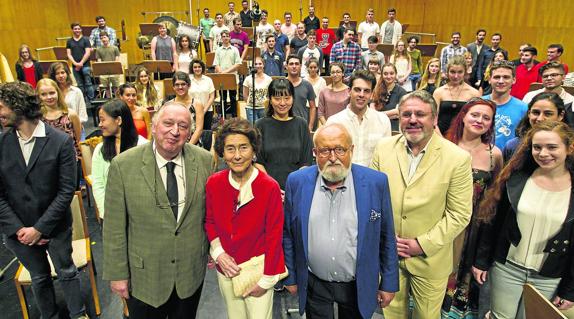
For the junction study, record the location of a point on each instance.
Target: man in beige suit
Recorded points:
(155, 247)
(431, 193)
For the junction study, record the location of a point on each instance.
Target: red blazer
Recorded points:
(255, 228)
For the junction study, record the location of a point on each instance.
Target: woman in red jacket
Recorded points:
(244, 219)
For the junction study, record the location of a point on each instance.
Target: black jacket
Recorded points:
(496, 238)
(37, 71)
(40, 193)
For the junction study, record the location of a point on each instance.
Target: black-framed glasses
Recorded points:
(326, 152)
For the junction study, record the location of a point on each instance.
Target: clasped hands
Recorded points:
(30, 236)
(230, 269)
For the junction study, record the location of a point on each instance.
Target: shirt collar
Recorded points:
(161, 162)
(245, 192)
(410, 152)
(39, 131)
(353, 115)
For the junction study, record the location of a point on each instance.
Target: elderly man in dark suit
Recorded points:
(37, 183)
(155, 246)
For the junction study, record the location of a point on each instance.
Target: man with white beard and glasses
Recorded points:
(338, 236)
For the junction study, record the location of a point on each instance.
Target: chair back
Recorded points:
(87, 151)
(536, 306)
(79, 223)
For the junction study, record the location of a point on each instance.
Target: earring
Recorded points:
(254, 159)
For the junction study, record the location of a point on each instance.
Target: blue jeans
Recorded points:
(251, 113)
(415, 78)
(84, 80)
(34, 258)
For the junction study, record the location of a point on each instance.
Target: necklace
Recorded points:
(453, 97)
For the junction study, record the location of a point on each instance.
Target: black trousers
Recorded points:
(174, 308)
(321, 295)
(231, 108)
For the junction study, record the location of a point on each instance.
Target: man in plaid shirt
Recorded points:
(347, 52)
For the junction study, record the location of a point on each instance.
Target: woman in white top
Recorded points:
(73, 96)
(528, 233)
(262, 82)
(315, 79)
(402, 61)
(148, 95)
(119, 134)
(203, 90)
(181, 84)
(185, 54)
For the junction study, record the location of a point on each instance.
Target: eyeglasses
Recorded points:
(180, 85)
(551, 75)
(418, 115)
(326, 152)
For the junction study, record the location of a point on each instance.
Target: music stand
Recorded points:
(427, 49)
(243, 69)
(87, 30)
(249, 55)
(157, 66)
(151, 29)
(386, 49)
(107, 68)
(405, 26)
(60, 53)
(45, 65)
(223, 82)
(249, 31)
(209, 58)
(168, 87)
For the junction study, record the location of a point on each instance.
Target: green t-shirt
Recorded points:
(107, 54)
(206, 24)
(416, 61)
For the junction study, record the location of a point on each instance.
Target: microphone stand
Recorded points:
(255, 17)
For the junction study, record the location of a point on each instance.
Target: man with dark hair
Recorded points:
(338, 236)
(325, 40)
(347, 52)
(272, 60)
(239, 38)
(372, 53)
(108, 53)
(37, 183)
(526, 73)
(391, 30)
(308, 52)
(78, 49)
(509, 110)
(304, 98)
(553, 55)
(245, 15)
(311, 21)
(215, 32)
(520, 50)
(281, 40)
(366, 125)
(487, 55)
(95, 35)
(450, 51)
(263, 30)
(346, 24)
(552, 75)
(476, 48)
(289, 29)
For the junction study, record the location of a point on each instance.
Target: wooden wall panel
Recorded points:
(38, 22)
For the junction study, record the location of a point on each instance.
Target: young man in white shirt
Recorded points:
(391, 30)
(368, 28)
(215, 32)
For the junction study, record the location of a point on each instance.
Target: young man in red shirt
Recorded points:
(325, 40)
(526, 73)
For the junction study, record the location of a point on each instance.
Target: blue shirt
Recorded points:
(280, 42)
(272, 63)
(507, 117)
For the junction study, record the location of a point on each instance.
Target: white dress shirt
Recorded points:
(179, 175)
(28, 145)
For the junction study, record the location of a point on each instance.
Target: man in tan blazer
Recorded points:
(155, 247)
(431, 192)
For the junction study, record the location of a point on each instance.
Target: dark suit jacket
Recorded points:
(376, 245)
(39, 194)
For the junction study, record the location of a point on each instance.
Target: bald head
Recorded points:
(331, 130)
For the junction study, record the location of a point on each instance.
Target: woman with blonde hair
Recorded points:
(402, 61)
(57, 114)
(147, 95)
(430, 79)
(27, 68)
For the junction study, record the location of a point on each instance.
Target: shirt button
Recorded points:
(333, 220)
(566, 242)
(335, 273)
(332, 258)
(552, 250)
(173, 261)
(555, 242)
(332, 238)
(404, 217)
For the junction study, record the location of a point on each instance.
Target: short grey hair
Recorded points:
(163, 107)
(422, 95)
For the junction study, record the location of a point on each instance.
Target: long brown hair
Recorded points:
(22, 47)
(381, 90)
(426, 75)
(523, 161)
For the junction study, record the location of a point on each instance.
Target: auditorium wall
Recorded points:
(38, 23)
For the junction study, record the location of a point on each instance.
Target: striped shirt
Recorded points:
(349, 55)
